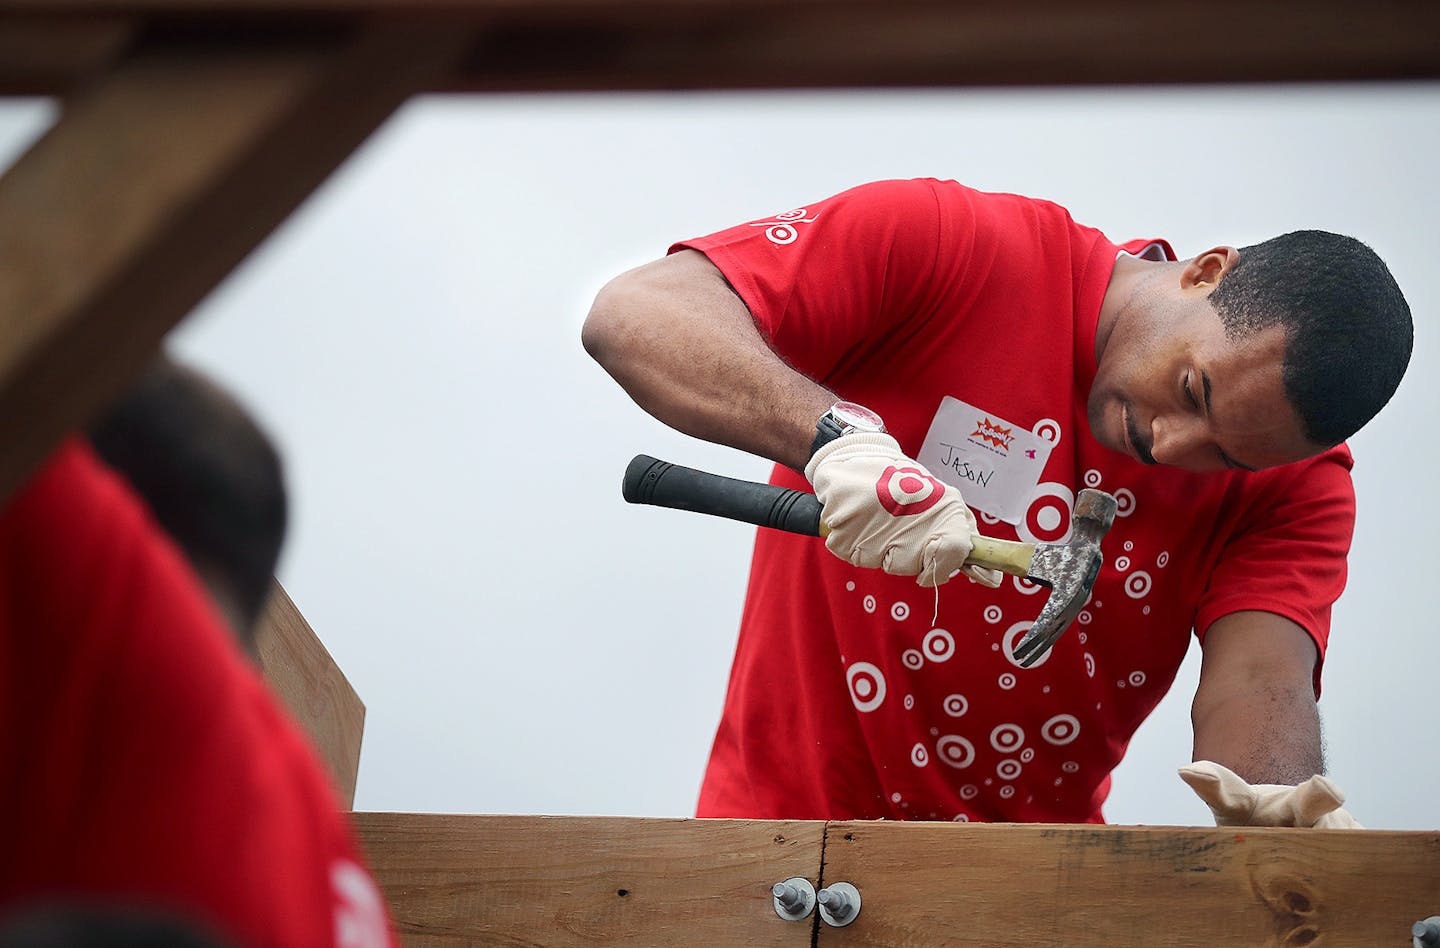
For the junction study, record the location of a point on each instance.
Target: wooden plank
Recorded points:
(554, 45)
(905, 43)
(970, 884)
(301, 671)
(530, 880)
(155, 182)
(536, 880)
(49, 54)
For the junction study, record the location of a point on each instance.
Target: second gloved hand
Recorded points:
(1234, 801)
(886, 511)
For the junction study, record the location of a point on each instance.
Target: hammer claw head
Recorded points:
(1069, 569)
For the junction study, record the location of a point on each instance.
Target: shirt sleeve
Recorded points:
(825, 280)
(1287, 552)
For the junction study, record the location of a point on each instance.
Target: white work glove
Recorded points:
(885, 511)
(1314, 803)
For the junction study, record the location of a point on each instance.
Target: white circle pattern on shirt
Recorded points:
(1061, 729)
(956, 751)
(1048, 429)
(1007, 738)
(867, 686)
(939, 645)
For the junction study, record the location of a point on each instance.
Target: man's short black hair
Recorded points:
(209, 474)
(1348, 328)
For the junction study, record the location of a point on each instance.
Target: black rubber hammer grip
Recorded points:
(662, 484)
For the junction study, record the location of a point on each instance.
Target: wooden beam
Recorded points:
(555, 45)
(536, 880)
(301, 671)
(906, 43)
(963, 884)
(156, 181)
(51, 54)
(455, 880)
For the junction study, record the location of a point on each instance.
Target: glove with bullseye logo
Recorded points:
(885, 511)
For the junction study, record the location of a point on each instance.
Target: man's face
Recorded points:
(1172, 389)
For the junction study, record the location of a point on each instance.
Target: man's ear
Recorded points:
(1209, 268)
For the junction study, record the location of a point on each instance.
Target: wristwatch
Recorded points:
(842, 419)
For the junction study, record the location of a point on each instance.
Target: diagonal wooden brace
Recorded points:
(160, 176)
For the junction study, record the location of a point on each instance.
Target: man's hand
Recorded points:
(885, 511)
(1316, 802)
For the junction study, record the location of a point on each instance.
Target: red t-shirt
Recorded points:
(143, 762)
(845, 699)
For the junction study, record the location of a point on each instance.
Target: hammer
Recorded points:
(1068, 569)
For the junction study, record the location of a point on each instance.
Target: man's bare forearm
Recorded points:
(683, 345)
(1268, 736)
(1255, 709)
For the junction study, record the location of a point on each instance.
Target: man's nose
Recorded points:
(1179, 441)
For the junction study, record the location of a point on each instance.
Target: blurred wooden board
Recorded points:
(301, 671)
(537, 880)
(552, 45)
(459, 880)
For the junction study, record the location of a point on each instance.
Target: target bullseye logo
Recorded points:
(1061, 729)
(939, 645)
(1137, 586)
(1048, 429)
(955, 751)
(907, 491)
(1047, 519)
(781, 229)
(1007, 738)
(867, 686)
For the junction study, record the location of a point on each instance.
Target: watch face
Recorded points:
(856, 416)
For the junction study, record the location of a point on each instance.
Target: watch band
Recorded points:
(841, 419)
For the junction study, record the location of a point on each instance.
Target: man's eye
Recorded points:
(1189, 393)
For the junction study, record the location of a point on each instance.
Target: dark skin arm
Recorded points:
(1254, 710)
(679, 340)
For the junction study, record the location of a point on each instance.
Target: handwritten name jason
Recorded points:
(957, 463)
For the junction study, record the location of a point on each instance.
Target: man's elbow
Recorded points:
(611, 320)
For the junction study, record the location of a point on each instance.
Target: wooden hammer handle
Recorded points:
(1009, 556)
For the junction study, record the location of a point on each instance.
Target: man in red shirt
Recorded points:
(905, 343)
(150, 777)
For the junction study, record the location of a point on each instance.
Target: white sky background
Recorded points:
(524, 641)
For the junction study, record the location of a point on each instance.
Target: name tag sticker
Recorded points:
(995, 464)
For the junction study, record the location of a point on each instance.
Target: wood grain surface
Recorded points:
(536, 880)
(691, 44)
(319, 696)
(526, 880)
(963, 884)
